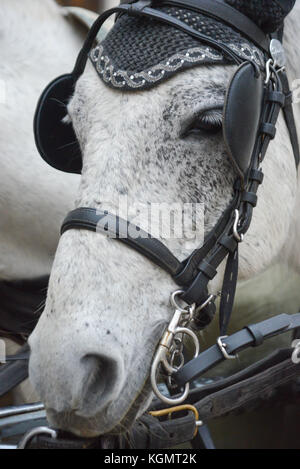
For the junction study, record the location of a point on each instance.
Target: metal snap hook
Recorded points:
(168, 346)
(238, 237)
(269, 65)
(174, 302)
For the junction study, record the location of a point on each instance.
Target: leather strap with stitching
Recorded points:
(248, 337)
(102, 221)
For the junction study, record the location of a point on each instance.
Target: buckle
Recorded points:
(222, 346)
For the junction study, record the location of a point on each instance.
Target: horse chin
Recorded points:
(105, 424)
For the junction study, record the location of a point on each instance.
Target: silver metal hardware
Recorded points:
(35, 432)
(209, 300)
(222, 347)
(20, 410)
(277, 53)
(170, 348)
(238, 237)
(269, 65)
(296, 352)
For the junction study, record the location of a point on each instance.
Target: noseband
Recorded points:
(254, 98)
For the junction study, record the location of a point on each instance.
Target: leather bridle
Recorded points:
(194, 273)
(194, 306)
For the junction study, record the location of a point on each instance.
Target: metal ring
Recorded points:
(169, 400)
(209, 299)
(35, 432)
(192, 334)
(179, 330)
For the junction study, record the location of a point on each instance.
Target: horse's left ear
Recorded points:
(267, 14)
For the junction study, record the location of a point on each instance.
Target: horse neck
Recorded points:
(291, 42)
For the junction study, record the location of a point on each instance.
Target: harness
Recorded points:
(255, 96)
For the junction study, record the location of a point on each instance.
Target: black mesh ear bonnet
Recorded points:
(139, 53)
(267, 14)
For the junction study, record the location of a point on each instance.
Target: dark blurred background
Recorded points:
(97, 5)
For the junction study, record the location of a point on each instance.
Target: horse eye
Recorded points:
(205, 123)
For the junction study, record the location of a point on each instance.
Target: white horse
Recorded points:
(107, 305)
(38, 39)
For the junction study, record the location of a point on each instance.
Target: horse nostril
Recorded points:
(103, 375)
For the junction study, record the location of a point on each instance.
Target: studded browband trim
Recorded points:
(143, 8)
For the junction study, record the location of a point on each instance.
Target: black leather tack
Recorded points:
(250, 198)
(241, 116)
(237, 185)
(235, 343)
(276, 97)
(228, 242)
(256, 175)
(288, 99)
(256, 333)
(91, 219)
(201, 321)
(207, 269)
(139, 5)
(268, 129)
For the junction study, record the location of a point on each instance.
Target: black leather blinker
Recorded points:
(55, 139)
(242, 112)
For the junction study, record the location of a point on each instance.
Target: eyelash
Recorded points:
(211, 119)
(207, 122)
